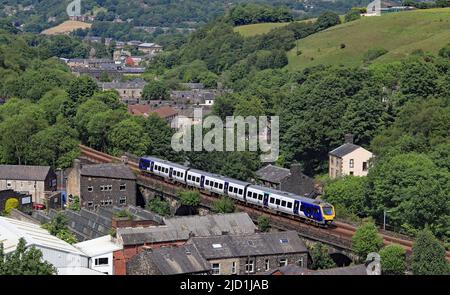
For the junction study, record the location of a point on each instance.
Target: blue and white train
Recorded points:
(313, 210)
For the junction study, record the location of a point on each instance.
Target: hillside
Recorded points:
(263, 28)
(66, 27)
(399, 33)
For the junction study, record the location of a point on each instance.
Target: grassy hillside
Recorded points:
(399, 33)
(258, 29)
(66, 27)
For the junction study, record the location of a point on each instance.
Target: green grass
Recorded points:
(259, 29)
(399, 33)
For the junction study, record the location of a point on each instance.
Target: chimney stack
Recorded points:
(348, 138)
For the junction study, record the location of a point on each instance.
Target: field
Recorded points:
(258, 29)
(399, 33)
(66, 27)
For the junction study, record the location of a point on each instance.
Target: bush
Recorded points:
(445, 51)
(123, 214)
(223, 205)
(189, 198)
(159, 206)
(343, 45)
(75, 204)
(352, 15)
(373, 54)
(263, 223)
(393, 260)
(320, 257)
(11, 203)
(428, 255)
(366, 240)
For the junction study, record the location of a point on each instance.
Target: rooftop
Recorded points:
(139, 109)
(227, 246)
(98, 246)
(165, 112)
(353, 270)
(344, 149)
(182, 228)
(108, 170)
(273, 173)
(12, 230)
(23, 172)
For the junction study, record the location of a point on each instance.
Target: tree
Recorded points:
(393, 259)
(366, 240)
(445, 51)
(11, 203)
(128, 136)
(348, 192)
(320, 257)
(352, 15)
(189, 198)
(159, 206)
(263, 223)
(223, 205)
(428, 256)
(82, 88)
(326, 20)
(155, 90)
(75, 204)
(58, 227)
(24, 261)
(52, 102)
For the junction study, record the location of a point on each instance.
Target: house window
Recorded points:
(215, 268)
(267, 264)
(233, 268)
(249, 266)
(90, 188)
(365, 167)
(90, 204)
(102, 188)
(300, 262)
(351, 173)
(123, 187)
(352, 163)
(283, 262)
(123, 200)
(101, 261)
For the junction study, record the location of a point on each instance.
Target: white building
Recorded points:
(63, 256)
(100, 252)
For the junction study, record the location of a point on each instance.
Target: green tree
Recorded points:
(128, 136)
(159, 206)
(24, 261)
(11, 203)
(189, 198)
(75, 204)
(428, 256)
(445, 51)
(52, 103)
(348, 192)
(263, 223)
(393, 259)
(366, 240)
(320, 257)
(82, 88)
(326, 20)
(223, 205)
(156, 90)
(352, 15)
(58, 227)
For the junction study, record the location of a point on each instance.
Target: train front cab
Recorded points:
(328, 213)
(145, 164)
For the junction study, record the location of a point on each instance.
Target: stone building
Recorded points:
(349, 159)
(38, 181)
(253, 253)
(290, 180)
(168, 261)
(24, 200)
(129, 92)
(104, 185)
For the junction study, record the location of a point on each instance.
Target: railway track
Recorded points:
(340, 234)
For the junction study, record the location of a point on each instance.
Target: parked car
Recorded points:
(39, 207)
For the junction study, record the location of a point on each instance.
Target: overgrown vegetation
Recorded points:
(159, 206)
(58, 227)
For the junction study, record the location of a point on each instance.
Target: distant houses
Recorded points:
(349, 159)
(129, 91)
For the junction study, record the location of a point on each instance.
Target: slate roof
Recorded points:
(272, 173)
(258, 244)
(22, 172)
(177, 260)
(108, 170)
(182, 228)
(344, 149)
(290, 269)
(354, 270)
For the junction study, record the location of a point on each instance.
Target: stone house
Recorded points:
(290, 180)
(129, 92)
(150, 48)
(37, 181)
(104, 185)
(251, 253)
(349, 159)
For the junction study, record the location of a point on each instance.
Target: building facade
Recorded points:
(38, 181)
(349, 159)
(102, 185)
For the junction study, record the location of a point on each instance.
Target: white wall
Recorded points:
(359, 156)
(109, 269)
(60, 259)
(35, 188)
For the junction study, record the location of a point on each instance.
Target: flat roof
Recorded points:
(98, 246)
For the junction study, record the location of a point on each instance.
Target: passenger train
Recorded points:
(312, 210)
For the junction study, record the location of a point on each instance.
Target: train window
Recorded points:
(216, 184)
(235, 190)
(249, 194)
(240, 191)
(167, 170)
(277, 201)
(197, 180)
(230, 189)
(255, 195)
(283, 203)
(272, 200)
(302, 208)
(189, 177)
(207, 182)
(260, 197)
(289, 205)
(220, 186)
(182, 175)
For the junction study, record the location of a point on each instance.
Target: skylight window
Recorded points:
(217, 246)
(284, 241)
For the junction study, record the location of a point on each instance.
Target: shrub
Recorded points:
(123, 214)
(393, 260)
(159, 206)
(366, 240)
(11, 203)
(223, 205)
(352, 15)
(263, 223)
(373, 54)
(343, 45)
(189, 198)
(445, 51)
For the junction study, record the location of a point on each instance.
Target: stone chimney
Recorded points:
(348, 138)
(77, 164)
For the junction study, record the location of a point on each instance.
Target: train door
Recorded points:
(170, 172)
(296, 206)
(202, 181)
(151, 165)
(226, 188)
(266, 199)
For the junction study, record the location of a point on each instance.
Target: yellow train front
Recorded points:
(328, 213)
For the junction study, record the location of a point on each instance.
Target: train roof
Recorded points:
(285, 194)
(221, 177)
(166, 162)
